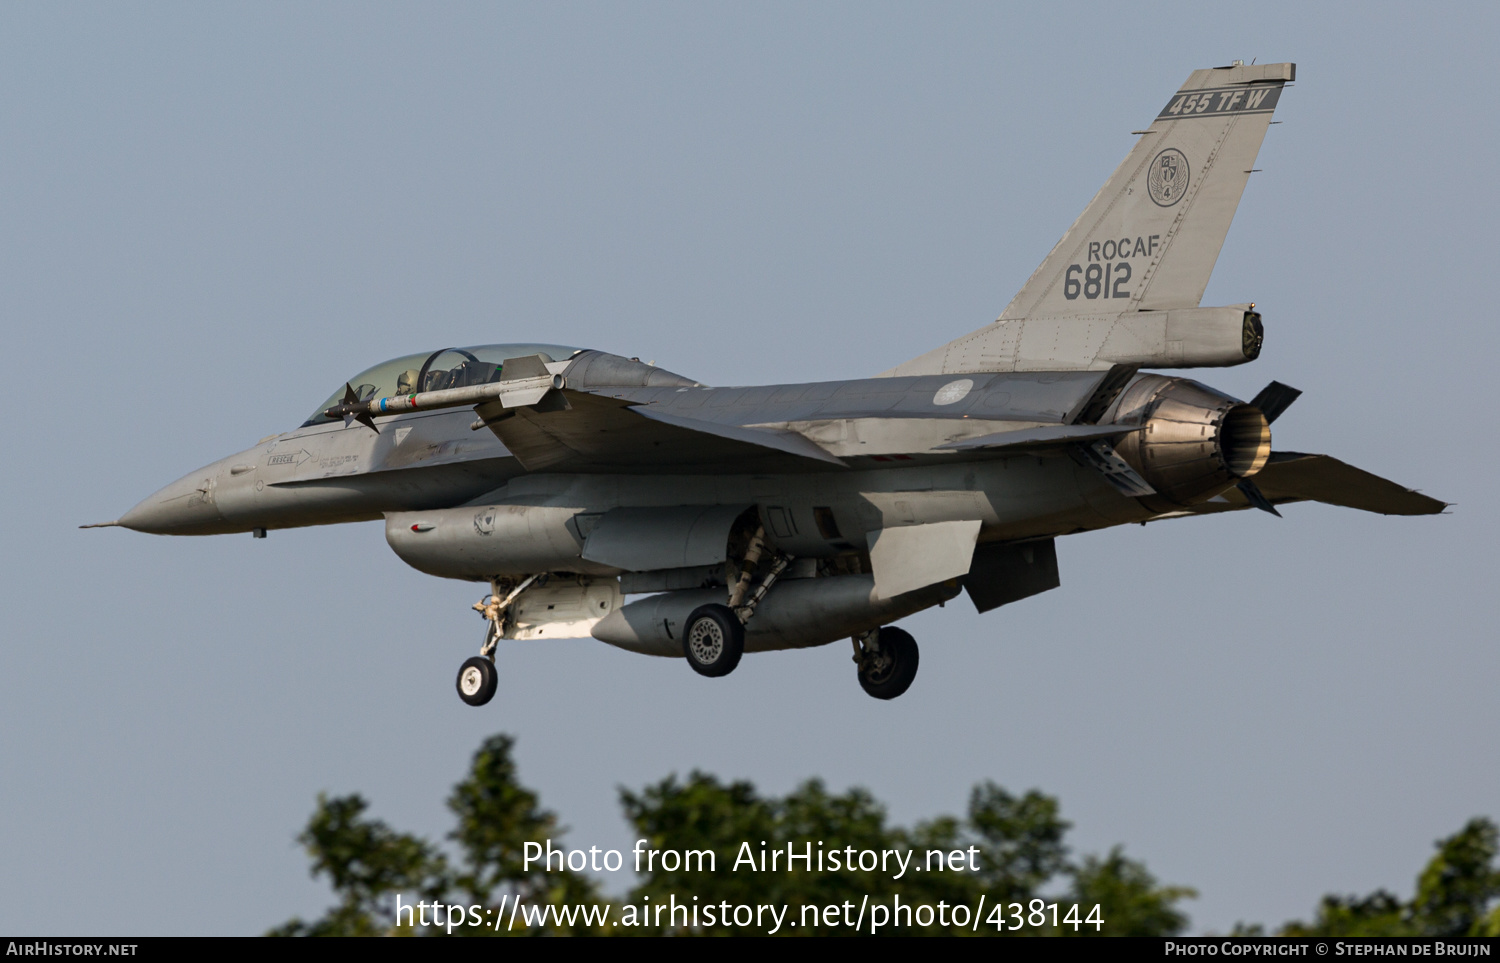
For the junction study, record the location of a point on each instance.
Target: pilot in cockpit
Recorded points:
(406, 382)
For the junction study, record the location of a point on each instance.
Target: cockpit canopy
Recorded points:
(447, 368)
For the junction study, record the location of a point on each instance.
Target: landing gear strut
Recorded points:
(713, 638)
(477, 677)
(887, 659)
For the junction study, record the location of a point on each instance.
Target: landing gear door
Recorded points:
(563, 608)
(916, 556)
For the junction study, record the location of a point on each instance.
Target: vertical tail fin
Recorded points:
(1170, 202)
(1147, 242)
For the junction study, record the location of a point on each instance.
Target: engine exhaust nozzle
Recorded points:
(1197, 441)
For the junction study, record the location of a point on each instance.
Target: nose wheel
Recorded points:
(887, 660)
(477, 677)
(477, 680)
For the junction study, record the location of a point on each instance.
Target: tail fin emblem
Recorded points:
(1167, 180)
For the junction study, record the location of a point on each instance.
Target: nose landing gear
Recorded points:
(477, 680)
(477, 677)
(887, 660)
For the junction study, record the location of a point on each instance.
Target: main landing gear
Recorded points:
(887, 660)
(713, 638)
(477, 677)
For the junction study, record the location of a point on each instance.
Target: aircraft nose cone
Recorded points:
(185, 507)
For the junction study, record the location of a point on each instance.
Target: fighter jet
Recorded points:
(749, 519)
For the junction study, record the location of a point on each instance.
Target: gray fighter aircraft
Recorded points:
(784, 516)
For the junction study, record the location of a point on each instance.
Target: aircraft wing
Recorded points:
(575, 431)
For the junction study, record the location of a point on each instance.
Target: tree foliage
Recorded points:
(368, 864)
(1012, 849)
(1457, 894)
(1015, 843)
(497, 816)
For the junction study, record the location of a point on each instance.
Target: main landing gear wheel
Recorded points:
(477, 680)
(888, 667)
(713, 639)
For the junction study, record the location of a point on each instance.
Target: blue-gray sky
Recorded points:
(214, 214)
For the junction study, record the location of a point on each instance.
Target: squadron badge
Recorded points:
(1167, 180)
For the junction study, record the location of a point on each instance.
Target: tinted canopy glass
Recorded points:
(435, 370)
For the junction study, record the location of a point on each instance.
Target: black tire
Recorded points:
(894, 672)
(713, 640)
(477, 680)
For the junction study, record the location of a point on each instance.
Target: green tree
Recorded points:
(1457, 885)
(813, 820)
(1019, 841)
(699, 815)
(704, 815)
(1454, 896)
(1379, 914)
(1129, 899)
(367, 863)
(497, 816)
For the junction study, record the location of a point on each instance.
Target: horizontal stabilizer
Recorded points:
(1047, 436)
(596, 433)
(916, 556)
(1293, 476)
